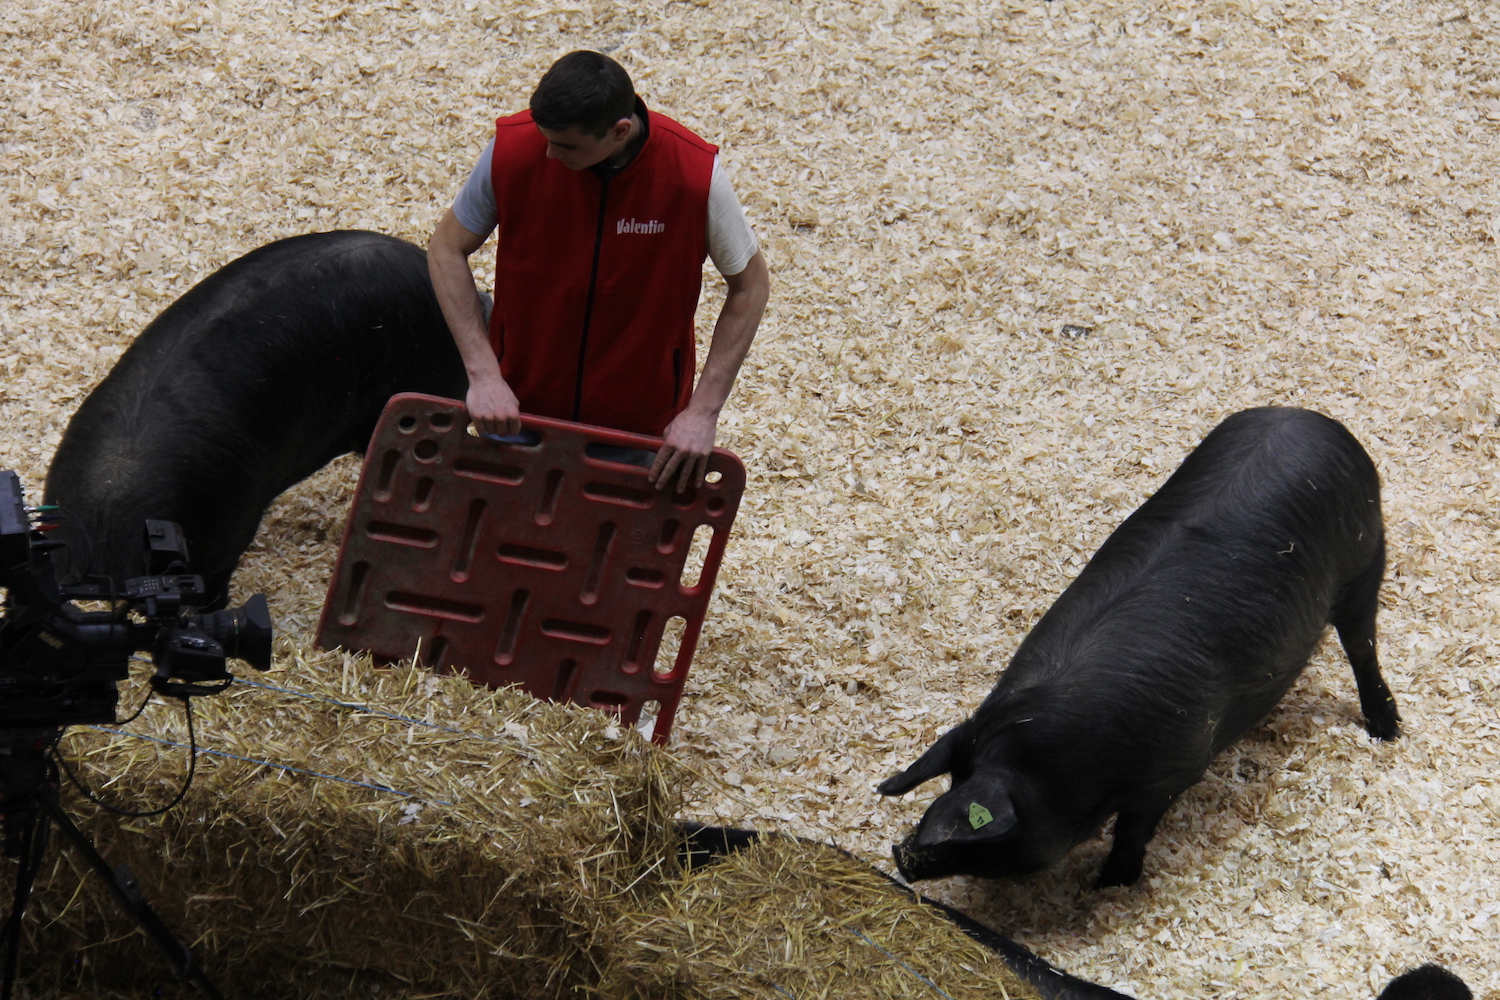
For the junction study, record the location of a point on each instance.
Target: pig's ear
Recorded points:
(937, 760)
(975, 810)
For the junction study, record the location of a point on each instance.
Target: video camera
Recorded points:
(64, 647)
(60, 663)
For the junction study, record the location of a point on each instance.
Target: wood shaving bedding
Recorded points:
(1024, 257)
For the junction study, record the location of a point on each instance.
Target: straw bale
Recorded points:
(496, 871)
(532, 855)
(1024, 256)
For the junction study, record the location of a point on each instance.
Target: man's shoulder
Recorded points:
(662, 125)
(517, 142)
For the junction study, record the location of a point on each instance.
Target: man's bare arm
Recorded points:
(689, 438)
(492, 405)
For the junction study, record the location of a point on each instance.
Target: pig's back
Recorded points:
(1200, 610)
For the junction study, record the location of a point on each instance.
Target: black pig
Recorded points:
(1427, 982)
(1186, 627)
(257, 377)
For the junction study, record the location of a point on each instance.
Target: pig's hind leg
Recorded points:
(1353, 615)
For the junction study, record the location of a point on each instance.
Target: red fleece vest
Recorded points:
(596, 281)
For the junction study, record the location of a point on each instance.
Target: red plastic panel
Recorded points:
(552, 565)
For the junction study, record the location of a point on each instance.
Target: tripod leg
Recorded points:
(31, 845)
(123, 887)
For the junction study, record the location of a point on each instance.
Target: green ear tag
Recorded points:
(979, 816)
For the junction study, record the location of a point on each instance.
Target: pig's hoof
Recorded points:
(1118, 873)
(1383, 723)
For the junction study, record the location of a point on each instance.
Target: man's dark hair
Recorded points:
(585, 90)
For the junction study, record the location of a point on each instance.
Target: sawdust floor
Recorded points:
(1025, 255)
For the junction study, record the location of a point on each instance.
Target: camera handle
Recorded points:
(126, 890)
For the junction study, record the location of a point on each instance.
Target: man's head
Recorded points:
(582, 106)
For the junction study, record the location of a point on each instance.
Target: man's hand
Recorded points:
(492, 405)
(493, 408)
(689, 438)
(686, 446)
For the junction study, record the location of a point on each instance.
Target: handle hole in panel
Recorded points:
(407, 424)
(421, 498)
(354, 593)
(585, 632)
(505, 651)
(426, 450)
(435, 656)
(546, 508)
(597, 562)
(434, 607)
(463, 553)
(562, 682)
(638, 635)
(617, 494)
(525, 439)
(617, 455)
(440, 421)
(524, 555)
(611, 700)
(389, 462)
(713, 476)
(666, 653)
(697, 555)
(644, 576)
(489, 472)
(402, 534)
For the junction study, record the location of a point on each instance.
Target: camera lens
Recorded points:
(244, 632)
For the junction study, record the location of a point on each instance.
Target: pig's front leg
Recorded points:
(1133, 829)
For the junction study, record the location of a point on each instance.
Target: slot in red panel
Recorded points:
(553, 565)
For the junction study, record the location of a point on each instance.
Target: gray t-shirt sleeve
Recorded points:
(474, 208)
(731, 241)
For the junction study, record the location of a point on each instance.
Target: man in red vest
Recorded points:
(605, 213)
